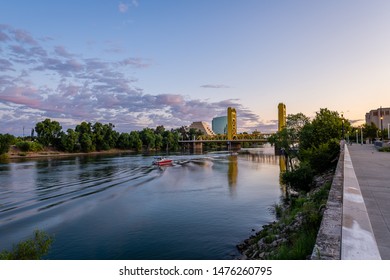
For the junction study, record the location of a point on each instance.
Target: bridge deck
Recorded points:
(224, 141)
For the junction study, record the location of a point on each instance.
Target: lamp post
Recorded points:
(357, 136)
(388, 131)
(361, 134)
(381, 126)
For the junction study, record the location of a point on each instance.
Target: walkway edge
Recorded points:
(328, 241)
(357, 239)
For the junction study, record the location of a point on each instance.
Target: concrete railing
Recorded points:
(358, 240)
(345, 232)
(328, 243)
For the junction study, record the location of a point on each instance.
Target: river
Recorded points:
(123, 207)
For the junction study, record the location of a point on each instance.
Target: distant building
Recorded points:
(380, 117)
(202, 126)
(219, 125)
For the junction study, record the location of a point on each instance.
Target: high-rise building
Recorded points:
(380, 117)
(219, 125)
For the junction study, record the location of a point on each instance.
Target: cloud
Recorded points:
(135, 3)
(214, 86)
(357, 121)
(122, 7)
(61, 51)
(6, 65)
(51, 82)
(135, 62)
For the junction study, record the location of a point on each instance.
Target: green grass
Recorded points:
(300, 246)
(301, 242)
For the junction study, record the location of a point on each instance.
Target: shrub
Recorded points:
(301, 178)
(384, 149)
(323, 157)
(5, 142)
(28, 146)
(31, 249)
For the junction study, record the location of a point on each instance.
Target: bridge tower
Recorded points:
(281, 116)
(231, 123)
(281, 124)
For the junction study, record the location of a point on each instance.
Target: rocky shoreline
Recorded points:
(281, 233)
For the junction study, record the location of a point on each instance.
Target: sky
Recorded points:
(144, 63)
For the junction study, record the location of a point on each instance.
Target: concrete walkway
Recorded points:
(372, 169)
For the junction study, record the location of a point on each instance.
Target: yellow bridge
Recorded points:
(232, 139)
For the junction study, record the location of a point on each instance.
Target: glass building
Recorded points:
(219, 125)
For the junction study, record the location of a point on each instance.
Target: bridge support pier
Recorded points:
(197, 147)
(234, 146)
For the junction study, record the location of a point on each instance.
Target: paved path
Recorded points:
(372, 170)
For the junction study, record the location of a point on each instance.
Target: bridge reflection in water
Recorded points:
(262, 155)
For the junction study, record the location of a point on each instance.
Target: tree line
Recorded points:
(311, 147)
(88, 137)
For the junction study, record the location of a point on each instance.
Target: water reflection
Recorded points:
(283, 168)
(198, 208)
(232, 171)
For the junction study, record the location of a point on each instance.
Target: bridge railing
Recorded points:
(244, 136)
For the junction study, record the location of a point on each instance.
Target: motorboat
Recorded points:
(162, 161)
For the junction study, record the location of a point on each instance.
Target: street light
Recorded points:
(357, 136)
(388, 131)
(381, 126)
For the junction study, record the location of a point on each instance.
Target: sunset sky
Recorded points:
(143, 63)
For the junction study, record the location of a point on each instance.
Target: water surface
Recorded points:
(122, 207)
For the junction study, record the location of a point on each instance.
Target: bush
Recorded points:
(31, 249)
(301, 178)
(5, 142)
(384, 149)
(323, 157)
(28, 146)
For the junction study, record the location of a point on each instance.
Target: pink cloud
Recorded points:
(23, 96)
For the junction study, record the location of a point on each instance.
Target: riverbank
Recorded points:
(294, 234)
(15, 153)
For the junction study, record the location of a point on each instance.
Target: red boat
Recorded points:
(162, 161)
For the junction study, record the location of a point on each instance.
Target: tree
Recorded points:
(98, 137)
(84, 131)
(86, 143)
(325, 126)
(289, 136)
(48, 132)
(123, 141)
(160, 129)
(31, 249)
(148, 138)
(295, 124)
(6, 141)
(70, 141)
(104, 136)
(370, 131)
(194, 133)
(158, 143)
(183, 133)
(318, 145)
(135, 141)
